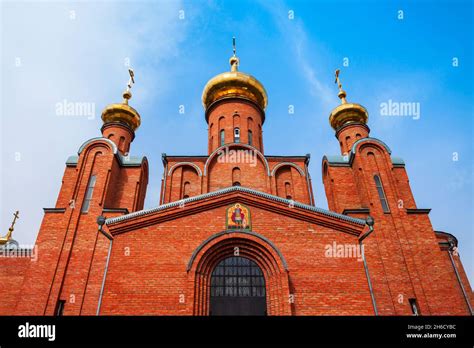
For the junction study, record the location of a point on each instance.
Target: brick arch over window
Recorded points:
(236, 146)
(289, 181)
(252, 246)
(184, 180)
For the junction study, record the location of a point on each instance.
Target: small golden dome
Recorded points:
(346, 112)
(234, 84)
(122, 112)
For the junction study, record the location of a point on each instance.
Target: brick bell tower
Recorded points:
(368, 179)
(102, 179)
(234, 104)
(349, 120)
(234, 107)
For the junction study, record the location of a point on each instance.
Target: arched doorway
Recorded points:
(237, 288)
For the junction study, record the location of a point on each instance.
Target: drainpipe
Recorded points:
(165, 164)
(450, 253)
(101, 222)
(370, 222)
(308, 182)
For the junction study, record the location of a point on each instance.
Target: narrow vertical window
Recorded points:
(414, 306)
(60, 308)
(222, 135)
(211, 132)
(250, 138)
(89, 192)
(186, 189)
(236, 176)
(236, 135)
(288, 190)
(382, 197)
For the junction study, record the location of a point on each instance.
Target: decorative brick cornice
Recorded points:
(227, 232)
(306, 207)
(240, 99)
(246, 146)
(363, 140)
(346, 160)
(448, 238)
(124, 161)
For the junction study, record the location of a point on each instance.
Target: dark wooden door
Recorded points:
(237, 288)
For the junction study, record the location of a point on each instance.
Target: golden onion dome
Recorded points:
(122, 112)
(346, 112)
(234, 84)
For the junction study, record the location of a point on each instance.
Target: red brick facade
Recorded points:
(159, 261)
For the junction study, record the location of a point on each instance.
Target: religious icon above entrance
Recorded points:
(238, 218)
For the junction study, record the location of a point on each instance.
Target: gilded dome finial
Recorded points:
(8, 237)
(342, 94)
(234, 60)
(128, 93)
(346, 113)
(122, 112)
(234, 84)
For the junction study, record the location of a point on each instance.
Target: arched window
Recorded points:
(89, 192)
(237, 135)
(236, 120)
(382, 197)
(250, 135)
(211, 133)
(236, 176)
(237, 288)
(348, 139)
(121, 142)
(222, 137)
(186, 189)
(288, 190)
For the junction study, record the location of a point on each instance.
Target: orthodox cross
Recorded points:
(128, 94)
(131, 80)
(234, 61)
(342, 93)
(15, 216)
(339, 84)
(5, 239)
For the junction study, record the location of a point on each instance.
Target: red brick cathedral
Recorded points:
(236, 231)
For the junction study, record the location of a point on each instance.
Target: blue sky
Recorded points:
(56, 51)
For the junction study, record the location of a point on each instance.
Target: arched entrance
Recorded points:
(237, 288)
(251, 246)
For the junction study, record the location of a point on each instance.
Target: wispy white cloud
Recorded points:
(305, 54)
(57, 51)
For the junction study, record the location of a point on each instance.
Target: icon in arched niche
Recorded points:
(238, 218)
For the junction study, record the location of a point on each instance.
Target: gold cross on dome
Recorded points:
(5, 239)
(132, 78)
(339, 84)
(128, 94)
(342, 93)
